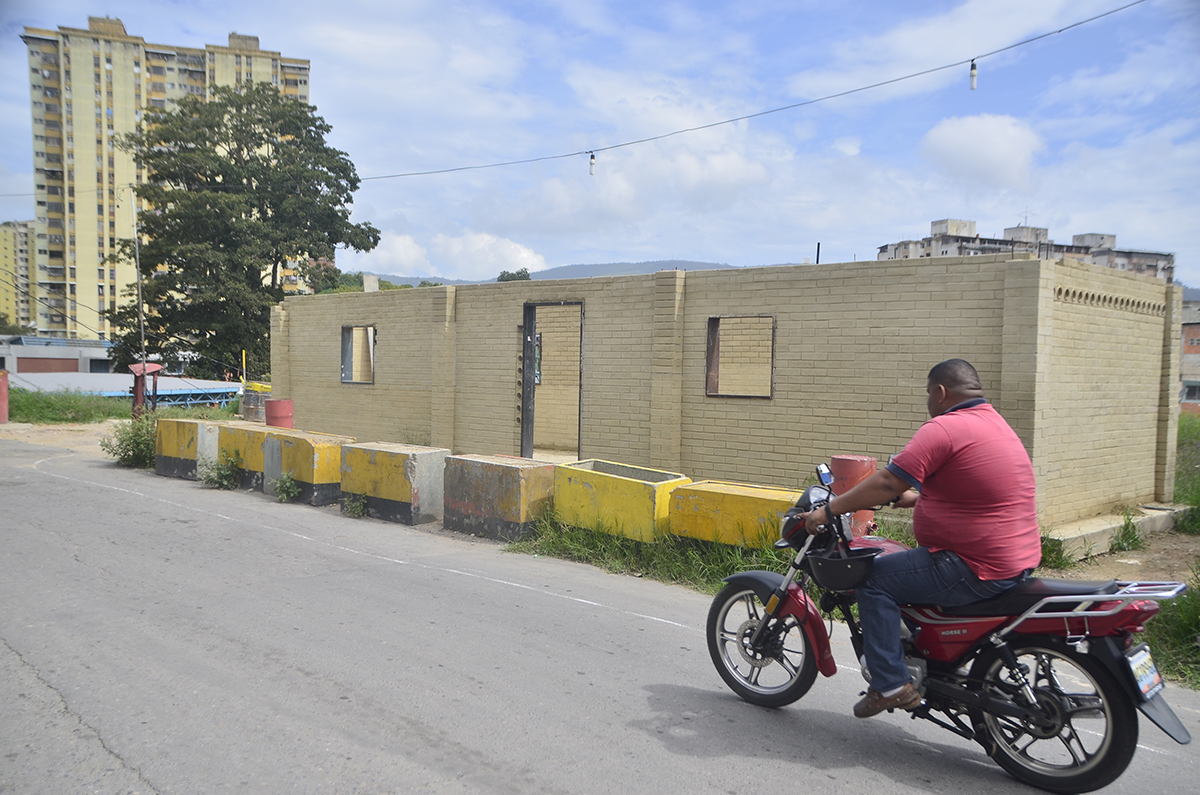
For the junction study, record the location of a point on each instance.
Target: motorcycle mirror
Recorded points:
(824, 475)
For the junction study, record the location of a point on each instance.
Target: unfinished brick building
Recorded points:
(756, 375)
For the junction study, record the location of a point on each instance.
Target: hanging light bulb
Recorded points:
(974, 74)
(592, 164)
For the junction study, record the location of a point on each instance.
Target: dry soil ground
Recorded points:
(1168, 555)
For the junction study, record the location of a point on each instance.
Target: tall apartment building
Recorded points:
(14, 271)
(952, 237)
(87, 88)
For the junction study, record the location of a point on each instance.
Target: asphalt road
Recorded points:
(157, 637)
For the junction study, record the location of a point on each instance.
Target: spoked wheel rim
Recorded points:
(1077, 731)
(774, 668)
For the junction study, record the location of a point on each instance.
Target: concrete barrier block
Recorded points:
(400, 482)
(245, 441)
(313, 459)
(176, 446)
(738, 514)
(626, 500)
(496, 496)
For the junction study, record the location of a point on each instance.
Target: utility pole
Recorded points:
(137, 264)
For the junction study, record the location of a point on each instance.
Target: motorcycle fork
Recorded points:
(771, 608)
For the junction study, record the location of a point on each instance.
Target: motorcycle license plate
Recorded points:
(1145, 672)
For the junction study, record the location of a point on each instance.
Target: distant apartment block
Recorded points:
(955, 238)
(14, 271)
(88, 87)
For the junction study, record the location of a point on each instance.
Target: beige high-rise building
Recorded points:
(87, 88)
(14, 271)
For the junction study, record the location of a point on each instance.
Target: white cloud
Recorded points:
(399, 254)
(479, 255)
(848, 146)
(987, 150)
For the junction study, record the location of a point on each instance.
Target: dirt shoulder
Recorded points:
(77, 437)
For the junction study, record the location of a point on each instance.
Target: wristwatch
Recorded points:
(828, 515)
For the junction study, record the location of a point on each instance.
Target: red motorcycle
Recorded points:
(1046, 677)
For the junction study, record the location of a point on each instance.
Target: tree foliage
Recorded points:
(239, 186)
(521, 275)
(8, 327)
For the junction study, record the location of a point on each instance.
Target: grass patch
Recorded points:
(1174, 634)
(55, 408)
(1187, 461)
(1127, 537)
(700, 565)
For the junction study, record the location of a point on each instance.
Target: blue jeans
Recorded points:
(915, 576)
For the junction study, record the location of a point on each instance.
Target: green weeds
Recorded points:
(1174, 634)
(285, 486)
(701, 565)
(132, 443)
(354, 505)
(224, 473)
(1127, 537)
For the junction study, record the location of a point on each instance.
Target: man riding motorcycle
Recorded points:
(975, 519)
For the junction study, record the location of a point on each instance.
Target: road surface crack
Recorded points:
(71, 714)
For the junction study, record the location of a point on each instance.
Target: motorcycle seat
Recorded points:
(1028, 593)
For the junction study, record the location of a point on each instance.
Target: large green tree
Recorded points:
(237, 187)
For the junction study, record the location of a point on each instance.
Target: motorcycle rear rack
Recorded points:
(1126, 594)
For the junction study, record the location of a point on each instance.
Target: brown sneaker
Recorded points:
(873, 702)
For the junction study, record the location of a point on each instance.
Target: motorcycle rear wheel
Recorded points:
(1091, 730)
(774, 676)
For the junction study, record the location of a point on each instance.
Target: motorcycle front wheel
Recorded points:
(1089, 728)
(777, 673)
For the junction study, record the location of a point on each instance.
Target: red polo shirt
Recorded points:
(977, 490)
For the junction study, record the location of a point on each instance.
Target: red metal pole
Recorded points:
(3, 396)
(848, 472)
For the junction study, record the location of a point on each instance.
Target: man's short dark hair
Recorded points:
(956, 375)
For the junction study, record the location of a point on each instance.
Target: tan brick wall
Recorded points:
(1078, 358)
(556, 406)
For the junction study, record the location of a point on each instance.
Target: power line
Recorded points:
(684, 131)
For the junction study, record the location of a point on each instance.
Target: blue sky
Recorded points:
(1092, 130)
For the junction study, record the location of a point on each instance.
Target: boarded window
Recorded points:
(741, 356)
(358, 354)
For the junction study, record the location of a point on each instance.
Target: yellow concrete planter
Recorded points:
(729, 513)
(313, 459)
(617, 498)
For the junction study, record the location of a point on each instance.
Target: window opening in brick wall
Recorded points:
(741, 356)
(358, 354)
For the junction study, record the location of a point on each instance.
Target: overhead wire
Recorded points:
(683, 131)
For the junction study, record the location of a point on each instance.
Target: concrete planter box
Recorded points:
(617, 498)
(400, 482)
(738, 514)
(496, 496)
(313, 459)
